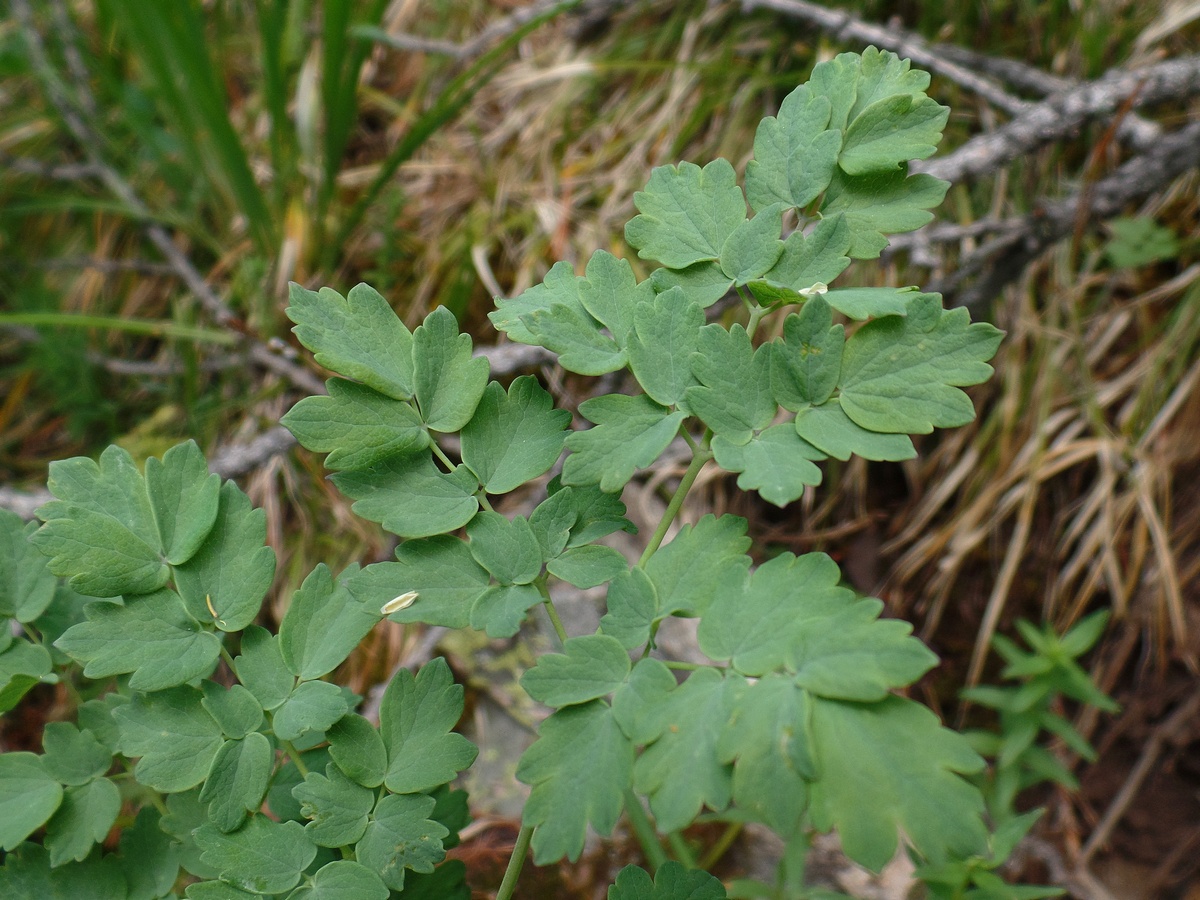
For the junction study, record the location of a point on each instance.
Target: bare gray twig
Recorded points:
(957, 64)
(845, 26)
(1003, 258)
(1060, 115)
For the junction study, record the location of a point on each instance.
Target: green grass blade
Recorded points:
(456, 96)
(170, 43)
(341, 64)
(132, 326)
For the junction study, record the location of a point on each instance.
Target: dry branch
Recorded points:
(1003, 258)
(958, 64)
(1062, 114)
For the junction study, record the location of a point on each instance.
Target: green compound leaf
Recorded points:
(837, 80)
(777, 463)
(261, 668)
(577, 339)
(889, 132)
(560, 287)
(237, 780)
(27, 875)
(507, 548)
(687, 213)
(410, 496)
(73, 757)
(151, 636)
(610, 292)
(767, 740)
(680, 771)
(794, 154)
(735, 397)
(588, 566)
(891, 766)
(312, 706)
(22, 666)
(358, 750)
(754, 247)
(184, 497)
(500, 610)
(579, 769)
(360, 336)
(262, 857)
(401, 836)
(235, 709)
(100, 532)
(357, 426)
(149, 857)
(807, 261)
(233, 569)
(756, 626)
(589, 667)
(879, 204)
(830, 430)
(441, 571)
(855, 655)
(630, 433)
(415, 720)
(702, 283)
(514, 437)
(337, 807)
(689, 572)
(449, 381)
(185, 813)
(216, 890)
(173, 734)
(884, 74)
(870, 302)
(447, 882)
(597, 514)
(96, 716)
(26, 587)
(28, 797)
(342, 879)
(671, 882)
(632, 606)
(665, 335)
(806, 364)
(323, 624)
(903, 374)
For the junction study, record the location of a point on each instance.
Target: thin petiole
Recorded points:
(515, 862)
(701, 456)
(643, 829)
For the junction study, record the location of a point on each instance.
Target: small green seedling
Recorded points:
(1045, 674)
(233, 768)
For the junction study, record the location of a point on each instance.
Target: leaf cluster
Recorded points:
(255, 775)
(249, 775)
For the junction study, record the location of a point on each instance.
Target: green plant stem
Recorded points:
(441, 454)
(679, 846)
(756, 315)
(133, 326)
(555, 620)
(294, 755)
(721, 847)
(228, 657)
(702, 455)
(643, 829)
(515, 862)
